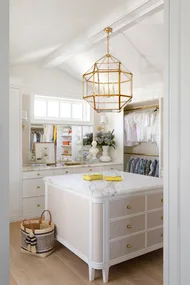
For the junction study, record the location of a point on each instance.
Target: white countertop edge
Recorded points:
(43, 168)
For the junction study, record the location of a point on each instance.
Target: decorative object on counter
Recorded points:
(71, 163)
(106, 140)
(93, 151)
(108, 85)
(94, 176)
(38, 236)
(113, 178)
(45, 153)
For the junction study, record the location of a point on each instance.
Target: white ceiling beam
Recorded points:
(123, 17)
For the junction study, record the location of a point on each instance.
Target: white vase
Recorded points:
(105, 157)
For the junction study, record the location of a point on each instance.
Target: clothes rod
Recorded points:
(143, 154)
(142, 108)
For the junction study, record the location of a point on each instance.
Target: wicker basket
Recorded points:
(38, 236)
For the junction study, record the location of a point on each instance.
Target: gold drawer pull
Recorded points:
(38, 174)
(38, 187)
(38, 205)
(66, 171)
(162, 217)
(129, 207)
(162, 235)
(162, 200)
(90, 169)
(129, 226)
(129, 246)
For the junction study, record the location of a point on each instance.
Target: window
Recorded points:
(53, 109)
(77, 111)
(39, 107)
(65, 110)
(59, 109)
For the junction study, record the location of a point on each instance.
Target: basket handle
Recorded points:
(31, 226)
(50, 219)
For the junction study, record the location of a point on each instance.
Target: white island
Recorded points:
(105, 223)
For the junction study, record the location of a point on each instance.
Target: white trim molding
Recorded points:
(176, 144)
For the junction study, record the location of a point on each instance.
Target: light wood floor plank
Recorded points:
(64, 268)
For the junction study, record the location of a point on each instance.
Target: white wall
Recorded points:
(46, 82)
(4, 145)
(149, 92)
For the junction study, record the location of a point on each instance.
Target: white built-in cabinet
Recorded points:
(15, 153)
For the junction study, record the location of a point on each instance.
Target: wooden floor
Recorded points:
(65, 268)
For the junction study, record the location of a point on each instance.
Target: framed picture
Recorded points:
(45, 152)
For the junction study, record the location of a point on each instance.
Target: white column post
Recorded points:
(177, 144)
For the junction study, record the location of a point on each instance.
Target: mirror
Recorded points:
(71, 143)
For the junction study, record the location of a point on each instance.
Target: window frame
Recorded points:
(60, 120)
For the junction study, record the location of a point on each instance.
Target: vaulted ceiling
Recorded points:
(67, 34)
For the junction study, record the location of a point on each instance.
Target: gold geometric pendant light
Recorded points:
(107, 85)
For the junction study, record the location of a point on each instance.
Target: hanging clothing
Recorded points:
(130, 130)
(153, 168)
(143, 166)
(141, 126)
(133, 165)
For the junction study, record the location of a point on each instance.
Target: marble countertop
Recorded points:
(53, 167)
(130, 184)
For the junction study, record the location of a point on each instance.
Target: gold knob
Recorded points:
(162, 217)
(129, 246)
(129, 207)
(162, 200)
(90, 169)
(38, 174)
(66, 171)
(162, 235)
(38, 187)
(129, 226)
(38, 205)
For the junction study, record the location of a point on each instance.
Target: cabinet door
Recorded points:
(15, 154)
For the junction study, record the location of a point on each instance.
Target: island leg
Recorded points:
(91, 273)
(105, 273)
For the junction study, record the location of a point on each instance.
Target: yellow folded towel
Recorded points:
(94, 176)
(113, 178)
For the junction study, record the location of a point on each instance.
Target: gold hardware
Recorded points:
(38, 187)
(38, 205)
(162, 217)
(66, 171)
(38, 174)
(129, 207)
(129, 246)
(162, 200)
(90, 169)
(129, 226)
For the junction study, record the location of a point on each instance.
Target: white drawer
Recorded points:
(155, 201)
(128, 206)
(37, 174)
(154, 237)
(126, 246)
(154, 219)
(63, 171)
(33, 187)
(118, 167)
(33, 207)
(127, 226)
